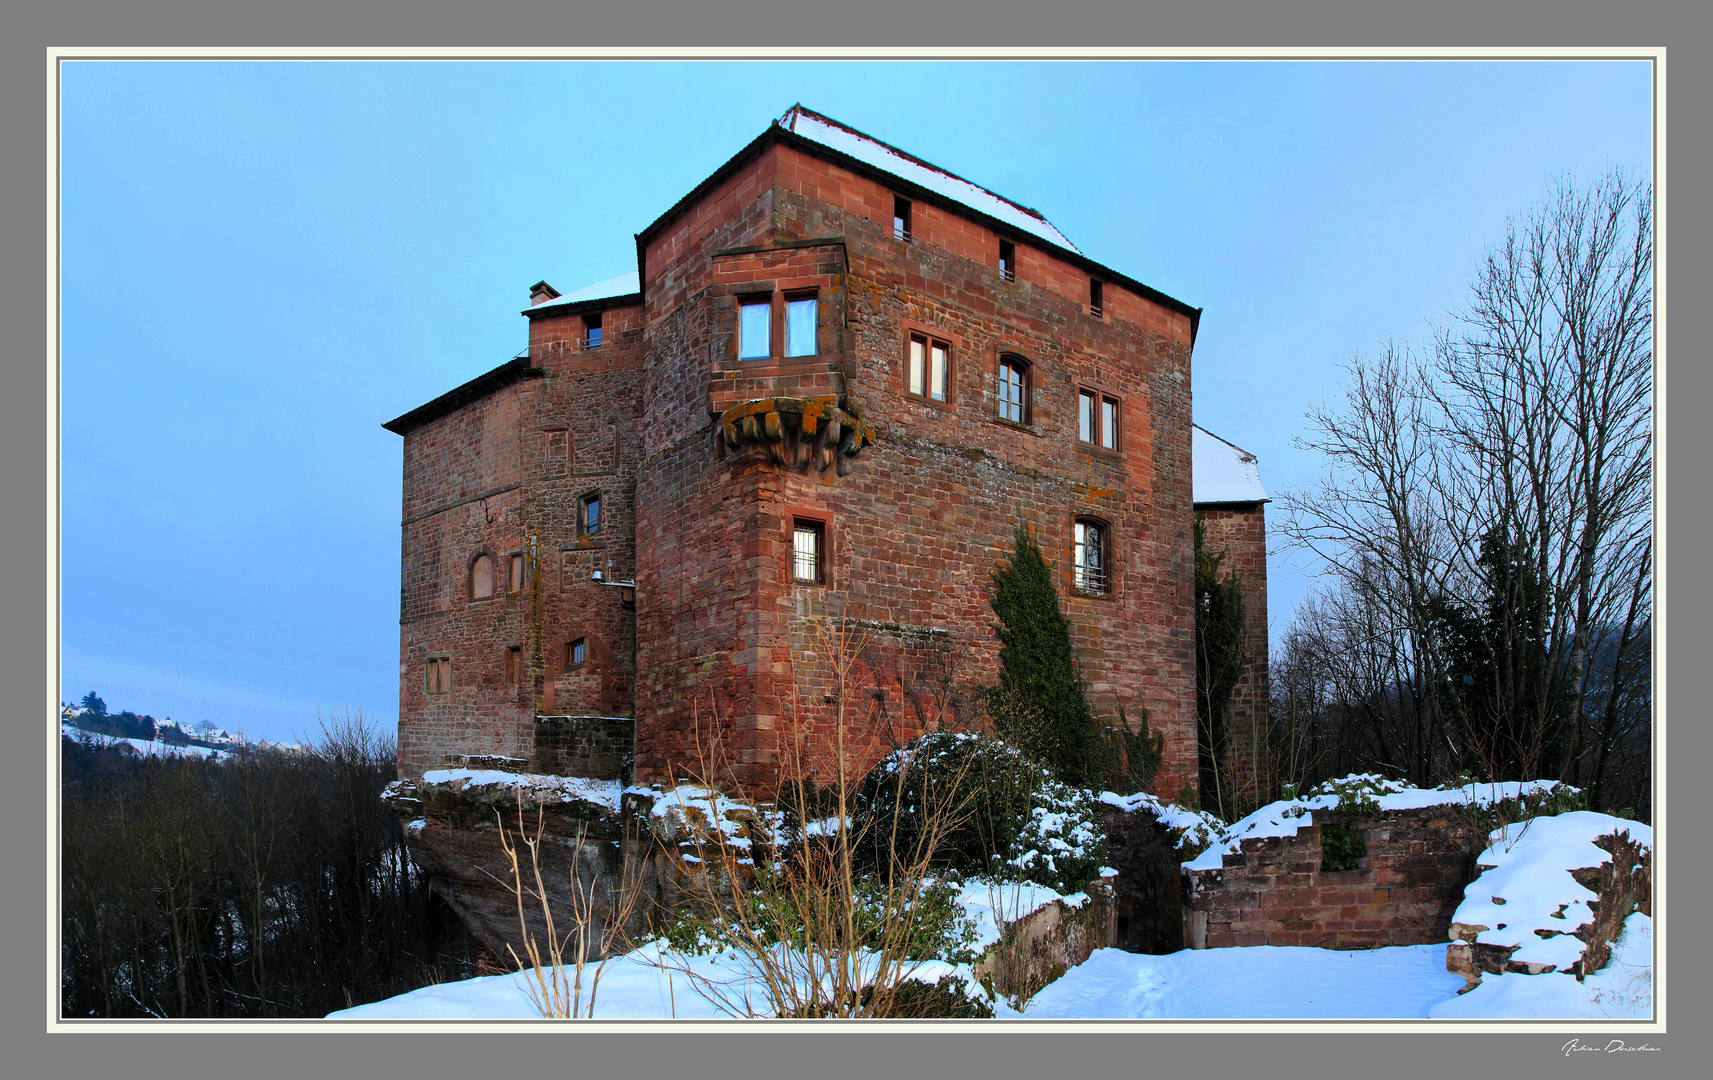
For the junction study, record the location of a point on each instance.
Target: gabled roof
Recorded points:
(1222, 472)
(822, 136)
(889, 159)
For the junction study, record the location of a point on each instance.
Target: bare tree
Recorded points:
(1487, 515)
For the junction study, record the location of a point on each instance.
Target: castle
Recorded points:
(838, 380)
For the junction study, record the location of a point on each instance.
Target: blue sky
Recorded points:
(261, 262)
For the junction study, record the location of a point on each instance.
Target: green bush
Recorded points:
(1017, 822)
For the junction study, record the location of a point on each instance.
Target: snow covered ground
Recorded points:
(144, 747)
(1262, 983)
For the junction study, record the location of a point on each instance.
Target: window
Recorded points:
(481, 578)
(800, 326)
(592, 330)
(930, 360)
(806, 552)
(577, 653)
(1013, 389)
(589, 515)
(900, 218)
(439, 674)
(517, 572)
(1096, 298)
(514, 665)
(1008, 260)
(1097, 419)
(755, 326)
(1091, 560)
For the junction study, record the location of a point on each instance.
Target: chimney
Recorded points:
(541, 292)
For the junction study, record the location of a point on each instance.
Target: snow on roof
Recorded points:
(852, 143)
(1223, 472)
(623, 285)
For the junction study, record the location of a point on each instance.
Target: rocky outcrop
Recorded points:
(621, 856)
(1037, 948)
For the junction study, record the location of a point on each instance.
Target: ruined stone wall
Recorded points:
(1241, 532)
(598, 747)
(1274, 892)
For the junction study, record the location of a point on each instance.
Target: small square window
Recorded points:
(930, 367)
(1091, 558)
(807, 547)
(1008, 260)
(900, 218)
(800, 327)
(1013, 390)
(517, 572)
(755, 326)
(1096, 298)
(592, 330)
(589, 515)
(577, 653)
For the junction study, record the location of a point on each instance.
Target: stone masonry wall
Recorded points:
(1274, 892)
(1241, 532)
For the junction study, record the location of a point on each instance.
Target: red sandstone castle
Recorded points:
(838, 380)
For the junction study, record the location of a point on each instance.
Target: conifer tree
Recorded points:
(1039, 705)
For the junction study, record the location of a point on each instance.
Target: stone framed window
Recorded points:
(589, 514)
(928, 368)
(1096, 298)
(439, 674)
(755, 328)
(901, 219)
(1098, 419)
(808, 552)
(1008, 260)
(514, 666)
(800, 324)
(481, 577)
(576, 654)
(592, 330)
(515, 583)
(1092, 557)
(1013, 386)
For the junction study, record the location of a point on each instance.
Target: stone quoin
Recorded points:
(838, 380)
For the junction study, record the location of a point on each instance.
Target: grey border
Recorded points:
(1047, 1052)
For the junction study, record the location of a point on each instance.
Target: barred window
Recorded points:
(1091, 557)
(806, 549)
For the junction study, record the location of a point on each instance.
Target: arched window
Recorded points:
(1093, 551)
(481, 578)
(1014, 389)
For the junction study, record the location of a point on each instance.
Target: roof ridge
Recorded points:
(1227, 442)
(800, 109)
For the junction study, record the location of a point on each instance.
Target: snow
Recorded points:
(1285, 817)
(602, 793)
(1194, 827)
(1529, 891)
(623, 285)
(144, 746)
(1221, 472)
(1622, 990)
(1266, 982)
(836, 136)
(1260, 983)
